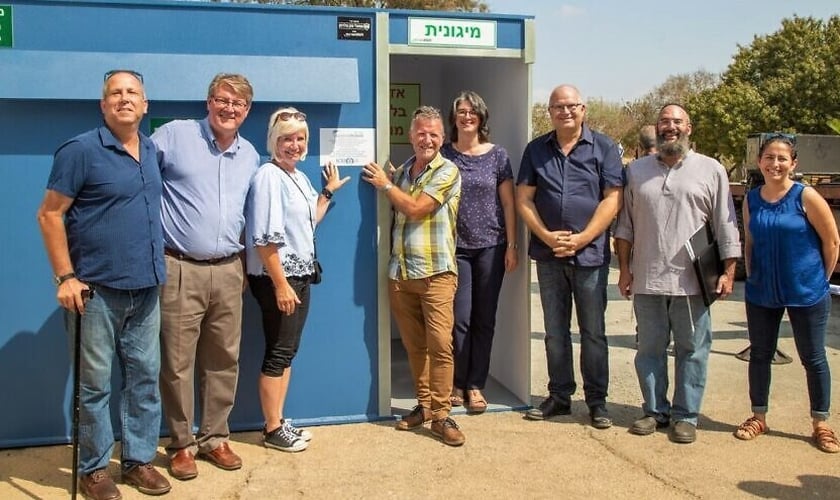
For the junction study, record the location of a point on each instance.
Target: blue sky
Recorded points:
(619, 50)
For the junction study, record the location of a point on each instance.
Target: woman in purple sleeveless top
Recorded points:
(791, 246)
(486, 245)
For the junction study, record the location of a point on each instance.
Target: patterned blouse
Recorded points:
(481, 220)
(280, 209)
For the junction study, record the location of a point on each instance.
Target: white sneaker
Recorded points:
(301, 433)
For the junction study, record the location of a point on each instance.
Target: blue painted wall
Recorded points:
(335, 371)
(50, 84)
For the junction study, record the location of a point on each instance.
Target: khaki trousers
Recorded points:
(423, 311)
(201, 325)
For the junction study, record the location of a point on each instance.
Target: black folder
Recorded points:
(705, 257)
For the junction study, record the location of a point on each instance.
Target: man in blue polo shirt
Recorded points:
(100, 220)
(568, 192)
(206, 168)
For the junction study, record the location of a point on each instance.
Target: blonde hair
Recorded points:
(278, 128)
(238, 83)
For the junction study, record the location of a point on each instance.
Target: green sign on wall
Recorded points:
(405, 97)
(156, 122)
(5, 25)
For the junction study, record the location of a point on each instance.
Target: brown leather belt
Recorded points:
(210, 262)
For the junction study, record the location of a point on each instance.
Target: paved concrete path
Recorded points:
(507, 457)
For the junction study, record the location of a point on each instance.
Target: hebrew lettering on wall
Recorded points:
(405, 98)
(452, 32)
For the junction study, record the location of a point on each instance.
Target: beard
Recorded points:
(676, 148)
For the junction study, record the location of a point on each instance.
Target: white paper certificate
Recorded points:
(347, 146)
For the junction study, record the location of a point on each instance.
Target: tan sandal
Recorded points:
(476, 402)
(825, 440)
(751, 428)
(457, 397)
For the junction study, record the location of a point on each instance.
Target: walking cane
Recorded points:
(77, 382)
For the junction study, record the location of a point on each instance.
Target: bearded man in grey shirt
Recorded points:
(667, 197)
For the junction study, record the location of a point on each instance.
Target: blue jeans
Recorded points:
(125, 322)
(559, 283)
(808, 324)
(659, 316)
(480, 275)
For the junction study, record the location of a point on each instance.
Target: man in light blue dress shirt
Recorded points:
(206, 167)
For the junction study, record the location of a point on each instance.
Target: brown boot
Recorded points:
(98, 485)
(416, 418)
(447, 430)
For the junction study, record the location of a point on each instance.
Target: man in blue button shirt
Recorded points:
(206, 168)
(100, 220)
(568, 192)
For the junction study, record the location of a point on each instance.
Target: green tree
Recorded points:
(612, 119)
(723, 117)
(452, 5)
(540, 120)
(786, 81)
(678, 89)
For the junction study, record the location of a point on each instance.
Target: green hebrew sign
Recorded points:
(5, 25)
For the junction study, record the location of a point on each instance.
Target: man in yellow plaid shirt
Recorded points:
(423, 272)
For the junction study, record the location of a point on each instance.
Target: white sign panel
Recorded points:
(347, 146)
(451, 32)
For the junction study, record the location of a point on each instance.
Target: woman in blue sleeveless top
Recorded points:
(791, 246)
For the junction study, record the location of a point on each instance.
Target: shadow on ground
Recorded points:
(811, 487)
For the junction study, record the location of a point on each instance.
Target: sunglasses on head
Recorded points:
(113, 72)
(288, 115)
(780, 136)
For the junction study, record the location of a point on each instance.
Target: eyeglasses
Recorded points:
(113, 72)
(466, 112)
(555, 108)
(678, 122)
(288, 115)
(223, 103)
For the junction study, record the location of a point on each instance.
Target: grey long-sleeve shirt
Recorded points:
(663, 207)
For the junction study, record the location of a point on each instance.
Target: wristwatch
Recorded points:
(64, 277)
(387, 187)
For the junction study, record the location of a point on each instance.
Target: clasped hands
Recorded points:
(565, 243)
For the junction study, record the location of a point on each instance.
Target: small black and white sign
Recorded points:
(354, 28)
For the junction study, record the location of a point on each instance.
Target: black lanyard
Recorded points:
(308, 207)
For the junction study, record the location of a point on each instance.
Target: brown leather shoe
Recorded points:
(416, 418)
(182, 465)
(222, 457)
(147, 479)
(447, 430)
(98, 485)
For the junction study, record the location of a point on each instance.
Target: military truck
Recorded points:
(818, 165)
